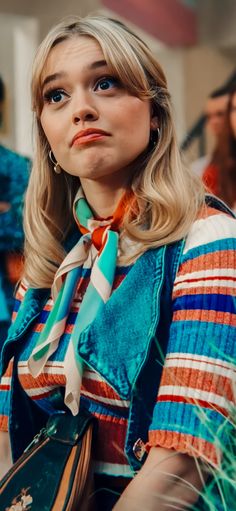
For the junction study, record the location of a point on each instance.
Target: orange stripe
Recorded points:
(43, 380)
(211, 316)
(204, 290)
(38, 327)
(184, 443)
(198, 379)
(3, 423)
(110, 418)
(99, 388)
(221, 258)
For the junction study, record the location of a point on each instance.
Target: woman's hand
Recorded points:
(168, 480)
(5, 453)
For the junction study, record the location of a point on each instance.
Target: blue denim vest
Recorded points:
(125, 344)
(120, 344)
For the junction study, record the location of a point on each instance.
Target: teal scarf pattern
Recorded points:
(103, 233)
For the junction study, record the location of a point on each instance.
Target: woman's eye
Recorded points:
(106, 83)
(54, 96)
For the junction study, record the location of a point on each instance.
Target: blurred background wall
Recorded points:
(195, 41)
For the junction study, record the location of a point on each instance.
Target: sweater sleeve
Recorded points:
(195, 396)
(5, 381)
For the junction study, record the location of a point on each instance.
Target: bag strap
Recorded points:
(67, 428)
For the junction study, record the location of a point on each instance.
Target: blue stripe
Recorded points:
(95, 407)
(106, 262)
(5, 402)
(214, 246)
(202, 338)
(17, 304)
(216, 302)
(43, 316)
(69, 290)
(190, 420)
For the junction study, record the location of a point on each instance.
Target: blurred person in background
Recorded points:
(220, 176)
(14, 171)
(215, 112)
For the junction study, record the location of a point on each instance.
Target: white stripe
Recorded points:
(213, 273)
(92, 375)
(113, 469)
(206, 283)
(210, 229)
(201, 366)
(106, 400)
(100, 283)
(5, 380)
(21, 290)
(201, 358)
(188, 392)
(39, 390)
(47, 369)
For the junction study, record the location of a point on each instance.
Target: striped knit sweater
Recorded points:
(198, 369)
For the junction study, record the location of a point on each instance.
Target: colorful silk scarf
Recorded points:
(104, 235)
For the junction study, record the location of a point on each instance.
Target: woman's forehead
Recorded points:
(83, 51)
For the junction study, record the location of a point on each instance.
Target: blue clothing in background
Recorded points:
(14, 174)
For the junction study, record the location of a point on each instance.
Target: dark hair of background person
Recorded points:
(224, 157)
(217, 93)
(2, 90)
(2, 97)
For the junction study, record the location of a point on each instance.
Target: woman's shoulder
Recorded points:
(211, 227)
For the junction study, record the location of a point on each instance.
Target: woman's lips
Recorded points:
(87, 136)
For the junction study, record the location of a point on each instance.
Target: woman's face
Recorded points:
(94, 126)
(233, 114)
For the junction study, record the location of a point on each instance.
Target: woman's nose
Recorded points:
(84, 110)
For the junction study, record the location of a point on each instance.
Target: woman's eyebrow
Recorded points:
(97, 64)
(55, 76)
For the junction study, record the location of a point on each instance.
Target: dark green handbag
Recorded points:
(54, 472)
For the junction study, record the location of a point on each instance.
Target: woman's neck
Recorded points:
(102, 198)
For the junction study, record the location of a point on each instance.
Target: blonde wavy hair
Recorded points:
(168, 197)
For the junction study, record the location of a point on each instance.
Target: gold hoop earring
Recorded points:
(56, 166)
